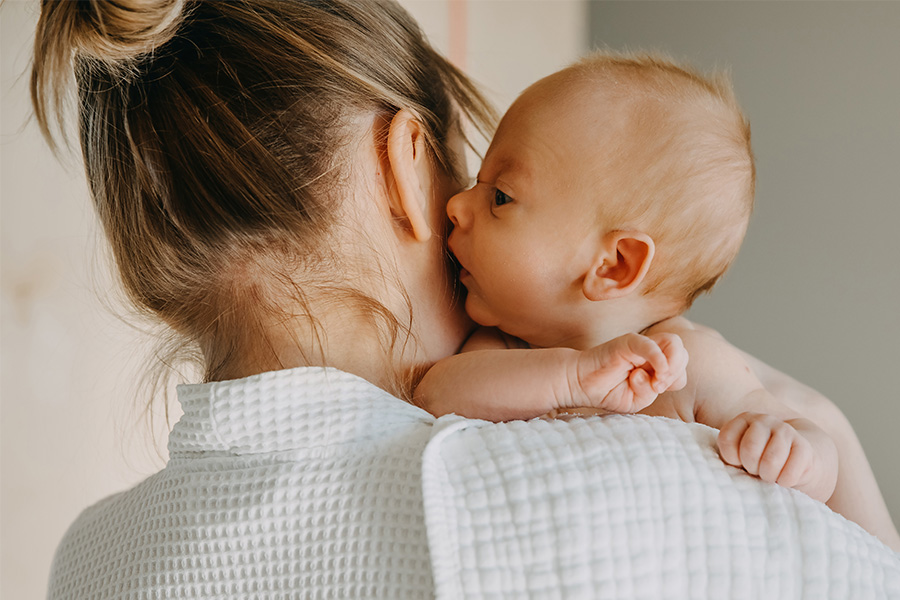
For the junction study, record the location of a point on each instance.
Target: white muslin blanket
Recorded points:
(629, 507)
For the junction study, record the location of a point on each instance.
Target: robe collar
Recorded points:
(293, 409)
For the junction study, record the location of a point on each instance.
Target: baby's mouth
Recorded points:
(457, 265)
(458, 271)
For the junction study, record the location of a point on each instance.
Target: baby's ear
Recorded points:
(621, 264)
(409, 166)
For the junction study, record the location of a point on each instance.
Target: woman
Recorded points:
(272, 178)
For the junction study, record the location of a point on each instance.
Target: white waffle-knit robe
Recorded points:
(304, 483)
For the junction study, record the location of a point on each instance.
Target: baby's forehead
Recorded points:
(594, 105)
(620, 110)
(581, 116)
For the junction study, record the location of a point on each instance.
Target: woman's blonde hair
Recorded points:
(214, 138)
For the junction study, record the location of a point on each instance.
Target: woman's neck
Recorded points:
(343, 342)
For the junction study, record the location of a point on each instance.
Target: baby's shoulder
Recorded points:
(698, 340)
(682, 326)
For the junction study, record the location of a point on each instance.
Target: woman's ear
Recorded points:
(410, 170)
(621, 264)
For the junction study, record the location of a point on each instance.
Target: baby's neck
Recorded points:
(615, 321)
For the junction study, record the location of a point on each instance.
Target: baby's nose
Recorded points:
(457, 210)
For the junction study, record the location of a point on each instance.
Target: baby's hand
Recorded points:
(794, 454)
(627, 373)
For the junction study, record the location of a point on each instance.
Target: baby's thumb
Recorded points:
(641, 389)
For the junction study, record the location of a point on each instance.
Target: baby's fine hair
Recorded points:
(693, 175)
(217, 142)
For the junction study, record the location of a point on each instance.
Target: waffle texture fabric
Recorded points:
(303, 483)
(312, 483)
(632, 507)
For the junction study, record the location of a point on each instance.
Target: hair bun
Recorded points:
(120, 30)
(112, 31)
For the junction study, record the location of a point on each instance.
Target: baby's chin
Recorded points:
(479, 315)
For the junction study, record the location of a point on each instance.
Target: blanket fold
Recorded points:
(629, 507)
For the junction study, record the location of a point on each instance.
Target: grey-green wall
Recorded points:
(816, 288)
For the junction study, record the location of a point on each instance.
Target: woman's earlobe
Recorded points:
(620, 266)
(410, 170)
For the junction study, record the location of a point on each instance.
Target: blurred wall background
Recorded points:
(814, 292)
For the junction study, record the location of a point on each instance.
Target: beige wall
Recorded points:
(70, 425)
(66, 385)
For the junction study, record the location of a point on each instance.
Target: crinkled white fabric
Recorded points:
(629, 507)
(308, 483)
(303, 483)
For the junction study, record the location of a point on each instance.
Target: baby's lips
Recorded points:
(451, 243)
(455, 258)
(462, 273)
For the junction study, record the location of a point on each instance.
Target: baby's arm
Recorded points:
(487, 380)
(856, 495)
(757, 432)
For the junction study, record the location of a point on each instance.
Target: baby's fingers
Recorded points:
(776, 453)
(646, 351)
(797, 464)
(743, 440)
(642, 389)
(729, 440)
(630, 395)
(674, 375)
(754, 442)
(768, 447)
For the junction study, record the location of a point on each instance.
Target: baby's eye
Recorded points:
(500, 198)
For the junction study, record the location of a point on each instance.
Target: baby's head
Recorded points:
(614, 143)
(677, 148)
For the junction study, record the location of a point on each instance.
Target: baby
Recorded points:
(613, 193)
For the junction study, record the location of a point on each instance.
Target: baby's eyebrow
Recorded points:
(513, 166)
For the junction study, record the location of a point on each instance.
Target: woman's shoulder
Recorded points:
(91, 546)
(209, 516)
